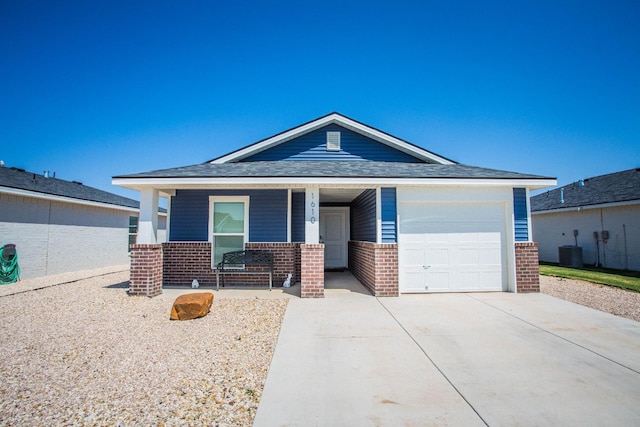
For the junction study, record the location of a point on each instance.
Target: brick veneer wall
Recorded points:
(312, 270)
(375, 266)
(362, 263)
(284, 260)
(386, 259)
(146, 270)
(298, 264)
(527, 271)
(185, 261)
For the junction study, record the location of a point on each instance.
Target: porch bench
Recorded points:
(245, 262)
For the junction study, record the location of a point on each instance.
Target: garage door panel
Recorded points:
(466, 280)
(492, 277)
(436, 257)
(461, 238)
(414, 280)
(490, 256)
(414, 257)
(468, 256)
(463, 246)
(435, 238)
(436, 282)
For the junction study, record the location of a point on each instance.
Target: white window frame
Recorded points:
(222, 199)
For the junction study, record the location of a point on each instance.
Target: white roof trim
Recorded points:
(588, 207)
(289, 182)
(342, 121)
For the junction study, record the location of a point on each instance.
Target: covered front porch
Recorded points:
(336, 283)
(309, 230)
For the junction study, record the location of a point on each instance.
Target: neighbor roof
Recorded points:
(22, 180)
(616, 187)
(333, 169)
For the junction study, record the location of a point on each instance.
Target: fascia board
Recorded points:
(301, 182)
(44, 196)
(588, 207)
(343, 121)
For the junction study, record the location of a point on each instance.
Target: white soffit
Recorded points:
(302, 182)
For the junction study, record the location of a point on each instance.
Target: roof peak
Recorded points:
(341, 120)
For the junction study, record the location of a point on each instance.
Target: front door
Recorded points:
(333, 233)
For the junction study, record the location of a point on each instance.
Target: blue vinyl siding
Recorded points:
(388, 215)
(520, 217)
(267, 214)
(363, 217)
(313, 146)
(297, 217)
(189, 216)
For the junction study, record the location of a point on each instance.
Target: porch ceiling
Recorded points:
(339, 195)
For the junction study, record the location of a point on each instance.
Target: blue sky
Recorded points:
(93, 89)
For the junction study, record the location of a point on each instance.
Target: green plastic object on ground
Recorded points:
(9, 268)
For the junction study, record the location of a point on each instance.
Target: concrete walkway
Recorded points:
(496, 359)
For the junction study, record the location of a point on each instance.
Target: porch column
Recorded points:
(527, 270)
(146, 275)
(312, 215)
(148, 220)
(312, 252)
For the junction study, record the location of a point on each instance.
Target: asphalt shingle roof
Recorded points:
(336, 169)
(612, 188)
(23, 180)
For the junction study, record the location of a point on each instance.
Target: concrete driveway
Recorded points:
(496, 359)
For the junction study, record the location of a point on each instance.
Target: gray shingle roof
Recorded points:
(22, 180)
(612, 188)
(335, 169)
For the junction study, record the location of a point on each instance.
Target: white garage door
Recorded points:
(451, 247)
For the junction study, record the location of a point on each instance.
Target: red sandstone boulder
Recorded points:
(191, 306)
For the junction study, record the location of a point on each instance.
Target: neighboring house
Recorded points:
(60, 226)
(605, 213)
(335, 193)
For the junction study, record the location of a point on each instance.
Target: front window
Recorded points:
(229, 225)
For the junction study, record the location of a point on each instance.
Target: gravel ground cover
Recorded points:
(86, 353)
(604, 298)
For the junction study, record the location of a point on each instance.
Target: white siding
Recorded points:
(552, 230)
(53, 237)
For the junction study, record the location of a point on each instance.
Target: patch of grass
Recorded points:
(626, 280)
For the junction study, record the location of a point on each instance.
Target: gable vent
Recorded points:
(333, 141)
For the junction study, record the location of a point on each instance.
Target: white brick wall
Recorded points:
(53, 237)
